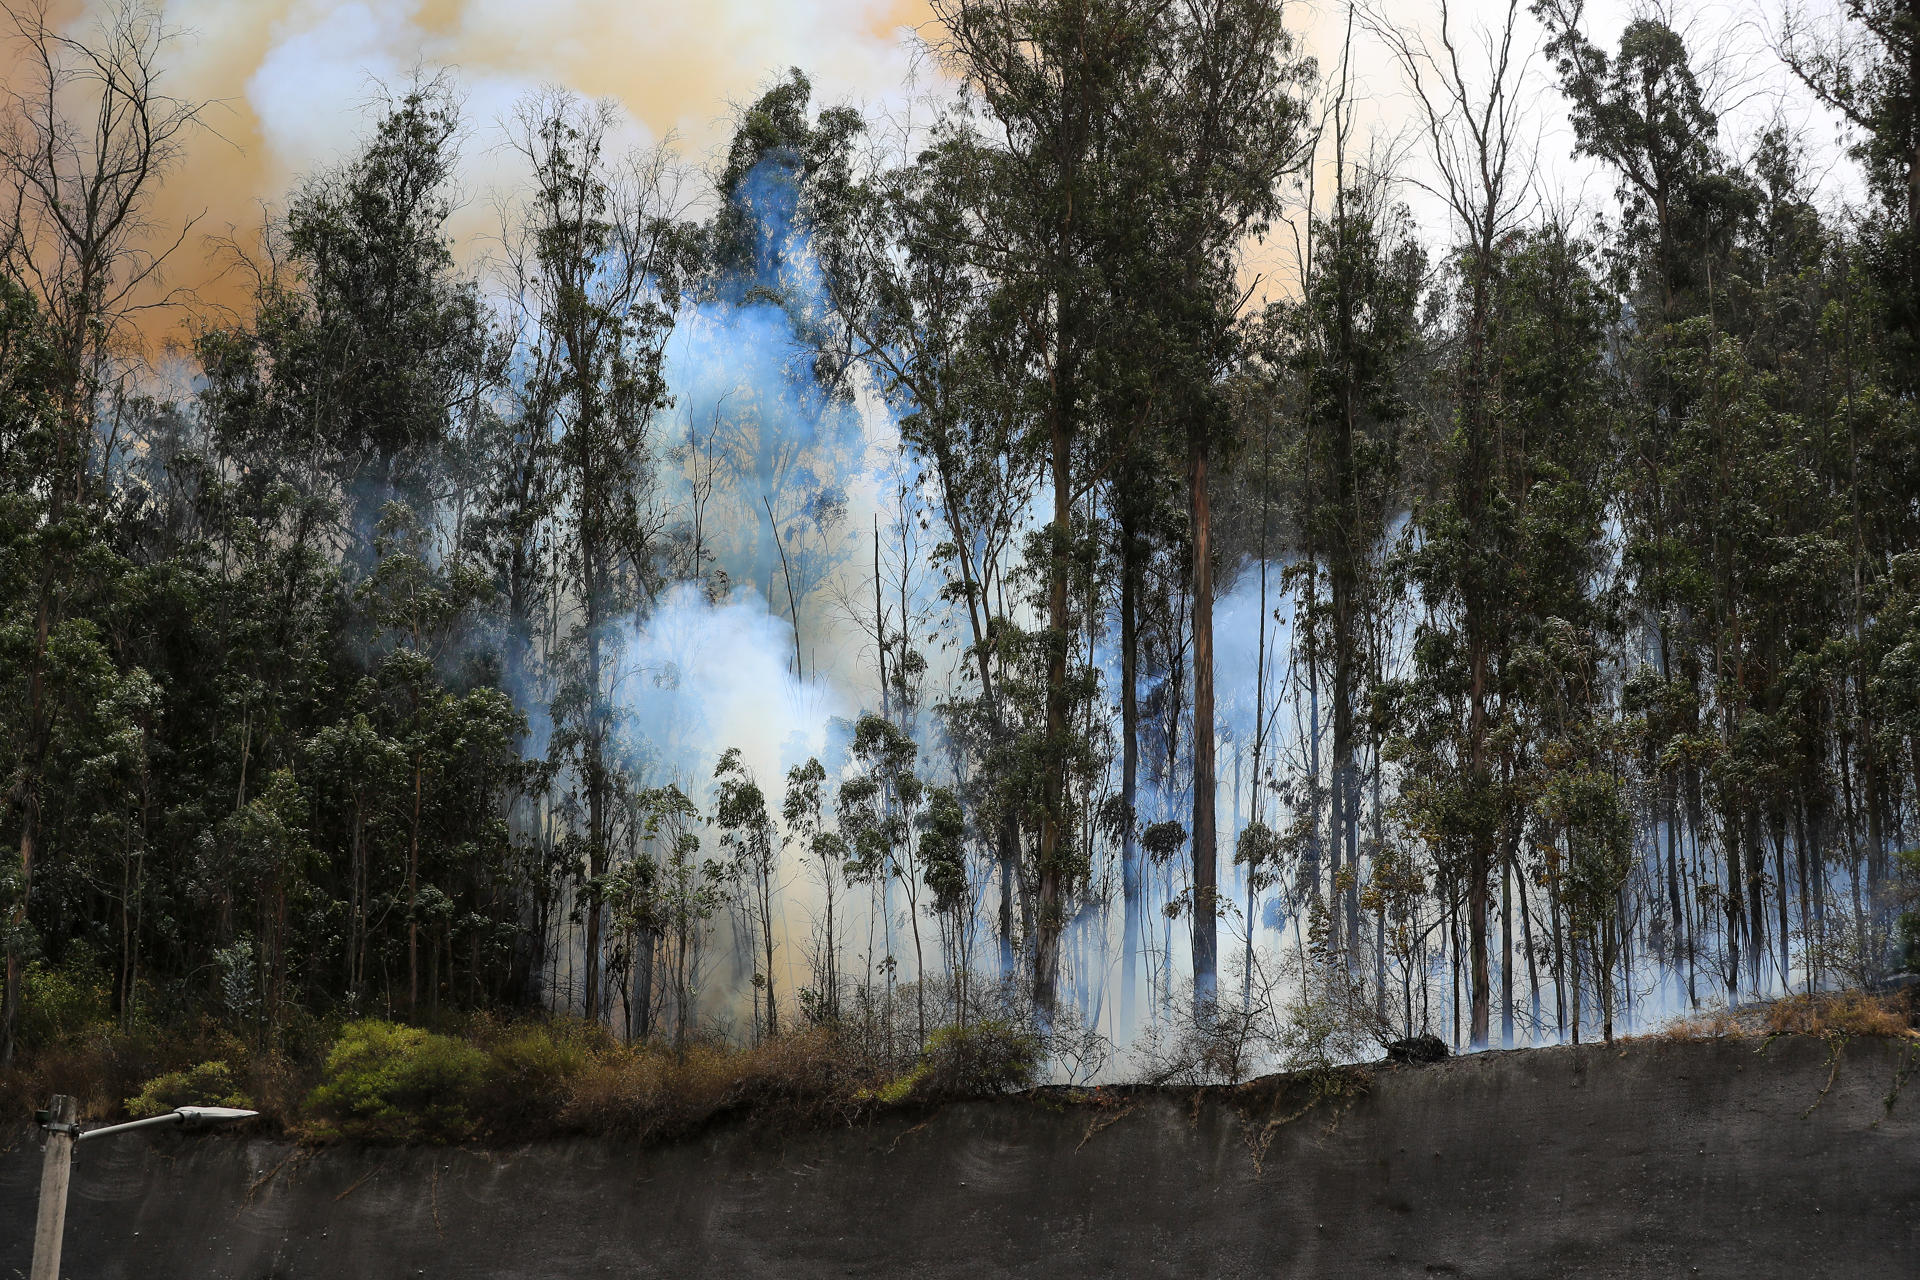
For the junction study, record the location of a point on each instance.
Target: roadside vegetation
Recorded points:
(481, 1077)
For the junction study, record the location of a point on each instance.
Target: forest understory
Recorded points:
(481, 1081)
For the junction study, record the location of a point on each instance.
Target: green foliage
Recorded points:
(61, 1001)
(1907, 924)
(384, 1082)
(538, 1061)
(943, 849)
(978, 1059)
(1332, 1019)
(1162, 840)
(209, 1084)
(880, 802)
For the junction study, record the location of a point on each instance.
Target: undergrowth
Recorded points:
(1825, 1014)
(489, 1079)
(485, 1078)
(1845, 1013)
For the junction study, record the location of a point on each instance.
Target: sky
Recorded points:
(292, 82)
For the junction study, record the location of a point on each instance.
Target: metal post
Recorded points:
(52, 1222)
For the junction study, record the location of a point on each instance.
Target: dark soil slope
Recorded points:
(1705, 1159)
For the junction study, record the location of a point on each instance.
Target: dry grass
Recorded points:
(1838, 1013)
(1713, 1023)
(646, 1092)
(1846, 1013)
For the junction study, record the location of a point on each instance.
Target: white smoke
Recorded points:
(699, 677)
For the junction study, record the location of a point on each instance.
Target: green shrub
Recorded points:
(1906, 929)
(210, 1084)
(902, 1088)
(983, 1057)
(531, 1070)
(384, 1082)
(979, 1059)
(58, 1002)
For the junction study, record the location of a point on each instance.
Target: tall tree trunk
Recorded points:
(1783, 950)
(1310, 868)
(1130, 887)
(1731, 835)
(1682, 944)
(1343, 583)
(1206, 963)
(413, 896)
(1506, 952)
(596, 797)
(1756, 896)
(1803, 857)
(1050, 911)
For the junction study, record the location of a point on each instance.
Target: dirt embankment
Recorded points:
(1724, 1158)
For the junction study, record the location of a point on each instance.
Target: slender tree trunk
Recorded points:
(413, 897)
(1130, 887)
(1558, 939)
(1731, 836)
(1807, 926)
(1343, 590)
(1050, 910)
(1683, 944)
(1779, 825)
(1756, 896)
(596, 801)
(1533, 963)
(1206, 978)
(1506, 953)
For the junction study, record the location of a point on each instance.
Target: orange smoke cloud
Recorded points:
(289, 83)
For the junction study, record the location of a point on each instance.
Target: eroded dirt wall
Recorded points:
(1680, 1160)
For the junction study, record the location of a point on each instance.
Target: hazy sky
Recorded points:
(293, 78)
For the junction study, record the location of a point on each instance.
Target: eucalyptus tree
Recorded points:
(909, 299)
(1471, 116)
(607, 261)
(368, 351)
(1349, 345)
(1144, 498)
(71, 729)
(397, 335)
(804, 810)
(1563, 780)
(740, 811)
(1053, 86)
(1124, 152)
(674, 903)
(881, 808)
(1212, 150)
(87, 135)
(943, 854)
(1861, 58)
(1645, 113)
(460, 749)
